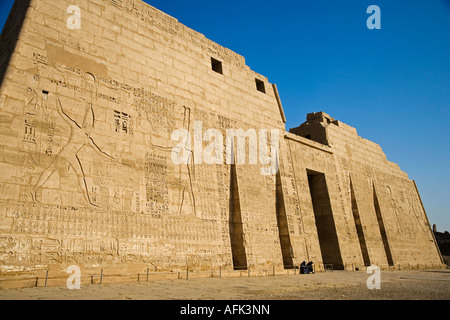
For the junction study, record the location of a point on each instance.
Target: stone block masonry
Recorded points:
(85, 157)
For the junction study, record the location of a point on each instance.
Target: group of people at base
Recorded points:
(306, 268)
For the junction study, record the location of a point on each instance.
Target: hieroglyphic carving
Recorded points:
(395, 209)
(50, 124)
(291, 195)
(156, 187)
(69, 234)
(30, 128)
(29, 134)
(40, 58)
(123, 123)
(91, 140)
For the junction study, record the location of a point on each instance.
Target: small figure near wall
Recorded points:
(306, 268)
(310, 267)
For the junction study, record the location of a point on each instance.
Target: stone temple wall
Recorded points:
(378, 212)
(86, 157)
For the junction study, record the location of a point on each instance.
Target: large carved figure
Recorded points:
(80, 137)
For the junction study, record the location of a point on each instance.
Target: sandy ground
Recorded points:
(338, 285)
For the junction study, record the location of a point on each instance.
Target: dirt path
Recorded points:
(340, 285)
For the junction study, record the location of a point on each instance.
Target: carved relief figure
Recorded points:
(80, 137)
(395, 210)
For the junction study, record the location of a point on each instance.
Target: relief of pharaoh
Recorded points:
(79, 138)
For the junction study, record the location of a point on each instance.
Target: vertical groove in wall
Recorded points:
(382, 228)
(359, 227)
(323, 213)
(283, 227)
(236, 227)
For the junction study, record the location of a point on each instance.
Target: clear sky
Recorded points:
(392, 84)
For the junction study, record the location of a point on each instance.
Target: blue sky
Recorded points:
(392, 84)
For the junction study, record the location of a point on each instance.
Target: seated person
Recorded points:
(304, 269)
(310, 267)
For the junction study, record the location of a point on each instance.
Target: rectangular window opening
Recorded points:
(260, 86)
(216, 65)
